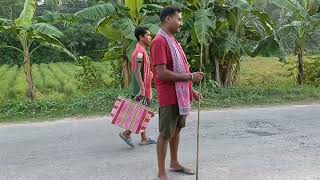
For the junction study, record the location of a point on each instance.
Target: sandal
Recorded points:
(127, 140)
(183, 170)
(148, 142)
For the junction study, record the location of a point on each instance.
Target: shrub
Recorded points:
(90, 77)
(311, 69)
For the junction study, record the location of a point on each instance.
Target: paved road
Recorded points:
(256, 143)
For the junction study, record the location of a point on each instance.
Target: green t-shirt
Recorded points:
(134, 86)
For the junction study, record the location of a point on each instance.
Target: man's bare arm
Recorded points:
(166, 75)
(138, 76)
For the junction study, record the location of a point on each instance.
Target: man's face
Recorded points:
(175, 22)
(147, 38)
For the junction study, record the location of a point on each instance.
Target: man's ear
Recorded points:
(167, 18)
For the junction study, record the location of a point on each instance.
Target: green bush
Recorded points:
(90, 77)
(311, 69)
(111, 60)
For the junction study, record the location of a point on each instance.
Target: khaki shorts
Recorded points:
(169, 120)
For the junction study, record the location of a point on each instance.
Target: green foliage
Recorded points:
(112, 59)
(229, 29)
(18, 88)
(7, 81)
(66, 82)
(52, 81)
(97, 12)
(263, 81)
(134, 7)
(11, 9)
(99, 101)
(262, 72)
(311, 69)
(27, 14)
(249, 96)
(90, 44)
(90, 78)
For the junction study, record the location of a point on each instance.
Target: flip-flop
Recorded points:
(126, 140)
(183, 170)
(150, 141)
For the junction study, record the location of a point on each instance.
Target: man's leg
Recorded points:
(144, 137)
(145, 140)
(167, 124)
(162, 147)
(125, 136)
(174, 146)
(126, 133)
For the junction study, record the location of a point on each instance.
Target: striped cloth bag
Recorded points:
(132, 116)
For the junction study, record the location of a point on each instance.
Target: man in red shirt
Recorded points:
(164, 52)
(140, 86)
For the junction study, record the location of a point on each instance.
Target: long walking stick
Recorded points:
(198, 123)
(199, 106)
(199, 102)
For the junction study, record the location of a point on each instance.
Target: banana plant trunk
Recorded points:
(126, 70)
(300, 67)
(28, 75)
(217, 71)
(228, 71)
(236, 71)
(27, 66)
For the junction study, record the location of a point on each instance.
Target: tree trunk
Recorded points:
(217, 71)
(235, 72)
(28, 75)
(300, 67)
(126, 71)
(27, 64)
(228, 73)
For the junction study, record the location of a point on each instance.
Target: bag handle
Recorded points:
(141, 99)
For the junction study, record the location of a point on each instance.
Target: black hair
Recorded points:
(140, 31)
(168, 11)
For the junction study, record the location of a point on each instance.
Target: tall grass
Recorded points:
(66, 80)
(264, 71)
(7, 81)
(50, 81)
(19, 88)
(38, 78)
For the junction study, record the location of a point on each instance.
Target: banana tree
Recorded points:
(302, 22)
(117, 22)
(228, 29)
(31, 36)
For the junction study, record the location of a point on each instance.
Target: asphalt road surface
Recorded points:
(281, 143)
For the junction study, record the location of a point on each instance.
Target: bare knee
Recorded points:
(163, 138)
(177, 132)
